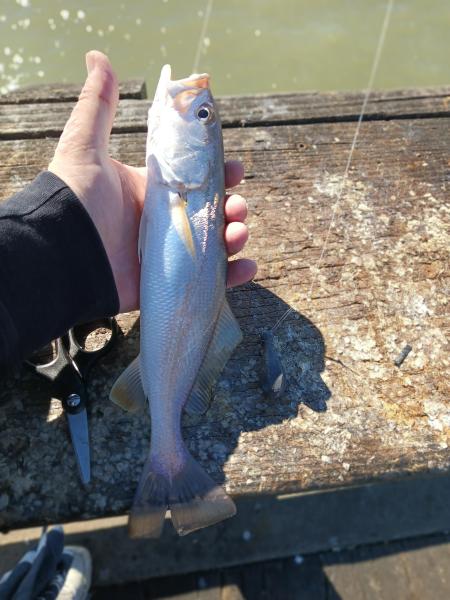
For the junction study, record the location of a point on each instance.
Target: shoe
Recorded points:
(78, 577)
(73, 578)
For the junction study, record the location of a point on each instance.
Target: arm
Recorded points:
(54, 271)
(68, 242)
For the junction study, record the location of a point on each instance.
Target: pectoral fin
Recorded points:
(227, 335)
(180, 221)
(127, 392)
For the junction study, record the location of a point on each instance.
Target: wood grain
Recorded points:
(66, 92)
(31, 120)
(349, 416)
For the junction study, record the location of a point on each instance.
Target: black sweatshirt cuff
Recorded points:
(54, 271)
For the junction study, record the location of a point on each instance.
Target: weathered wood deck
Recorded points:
(349, 416)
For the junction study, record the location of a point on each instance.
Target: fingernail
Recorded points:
(90, 61)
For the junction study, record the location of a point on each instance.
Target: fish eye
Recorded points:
(204, 114)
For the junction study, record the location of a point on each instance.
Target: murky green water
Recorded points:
(247, 45)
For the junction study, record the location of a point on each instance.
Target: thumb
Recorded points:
(90, 123)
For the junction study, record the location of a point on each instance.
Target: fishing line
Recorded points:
(375, 63)
(208, 9)
(207, 15)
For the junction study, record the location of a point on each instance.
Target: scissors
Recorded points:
(68, 370)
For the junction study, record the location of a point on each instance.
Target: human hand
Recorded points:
(113, 193)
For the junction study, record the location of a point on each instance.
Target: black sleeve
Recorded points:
(54, 271)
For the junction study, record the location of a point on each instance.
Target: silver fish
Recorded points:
(273, 376)
(188, 331)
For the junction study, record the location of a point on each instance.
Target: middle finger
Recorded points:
(235, 208)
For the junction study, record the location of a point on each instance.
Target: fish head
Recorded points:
(184, 132)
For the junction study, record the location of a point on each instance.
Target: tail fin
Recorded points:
(149, 505)
(195, 501)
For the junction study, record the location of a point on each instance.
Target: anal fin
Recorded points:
(226, 336)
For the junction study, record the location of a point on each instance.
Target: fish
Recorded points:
(187, 329)
(273, 375)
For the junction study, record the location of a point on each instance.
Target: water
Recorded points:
(248, 46)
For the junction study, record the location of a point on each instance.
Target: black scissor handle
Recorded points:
(52, 369)
(84, 358)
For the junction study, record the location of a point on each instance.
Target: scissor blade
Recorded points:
(79, 432)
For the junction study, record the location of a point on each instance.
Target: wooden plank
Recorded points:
(397, 571)
(311, 107)
(403, 570)
(349, 415)
(264, 528)
(66, 92)
(48, 119)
